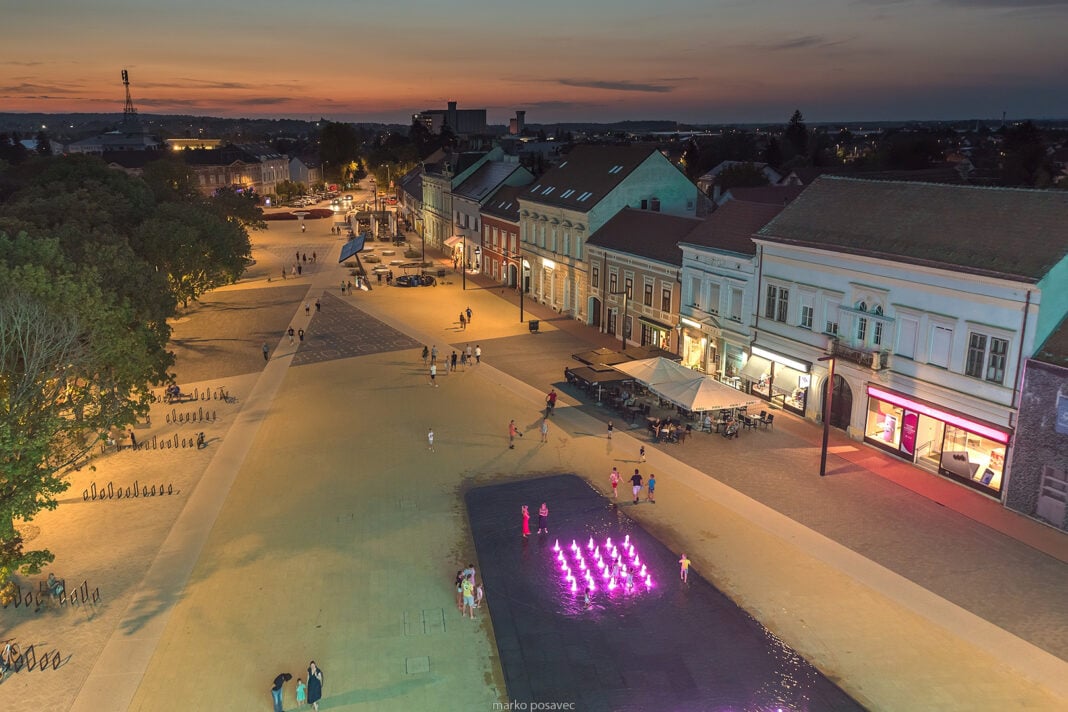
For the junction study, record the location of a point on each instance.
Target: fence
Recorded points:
(110, 491)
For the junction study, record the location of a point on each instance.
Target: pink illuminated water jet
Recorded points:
(619, 566)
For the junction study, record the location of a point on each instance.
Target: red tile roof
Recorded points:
(733, 225)
(646, 234)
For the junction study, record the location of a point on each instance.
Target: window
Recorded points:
(877, 334)
(986, 358)
(806, 317)
(578, 248)
(612, 282)
(736, 304)
(713, 298)
(695, 291)
(941, 346)
(862, 329)
(595, 277)
(647, 299)
(665, 299)
(831, 314)
(628, 287)
(906, 337)
(567, 243)
(777, 304)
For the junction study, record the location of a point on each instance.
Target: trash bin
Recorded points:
(533, 325)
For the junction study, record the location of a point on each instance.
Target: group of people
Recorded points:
(636, 483)
(469, 593)
(310, 692)
(465, 318)
(543, 520)
(668, 431)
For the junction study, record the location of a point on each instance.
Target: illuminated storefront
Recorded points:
(699, 349)
(937, 439)
(778, 378)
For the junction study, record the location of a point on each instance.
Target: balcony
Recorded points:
(874, 359)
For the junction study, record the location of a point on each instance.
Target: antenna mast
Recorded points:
(129, 113)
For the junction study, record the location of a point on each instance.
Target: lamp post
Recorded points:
(623, 322)
(827, 401)
(463, 262)
(678, 339)
(523, 267)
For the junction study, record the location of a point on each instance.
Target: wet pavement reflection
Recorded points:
(640, 642)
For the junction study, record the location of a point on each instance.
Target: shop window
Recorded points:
(806, 317)
(972, 457)
(647, 297)
(884, 422)
(665, 300)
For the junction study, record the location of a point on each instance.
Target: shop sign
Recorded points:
(908, 433)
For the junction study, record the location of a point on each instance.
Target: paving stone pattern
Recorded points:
(342, 330)
(675, 647)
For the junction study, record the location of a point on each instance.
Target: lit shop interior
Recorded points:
(778, 378)
(936, 439)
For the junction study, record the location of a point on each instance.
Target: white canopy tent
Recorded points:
(703, 393)
(651, 371)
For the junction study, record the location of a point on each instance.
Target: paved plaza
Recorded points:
(317, 524)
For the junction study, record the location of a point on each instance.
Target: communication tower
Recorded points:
(129, 113)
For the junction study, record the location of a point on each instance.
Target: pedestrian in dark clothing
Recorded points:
(318, 305)
(276, 689)
(304, 257)
(463, 321)
(636, 484)
(426, 354)
(200, 440)
(315, 685)
(300, 270)
(469, 314)
(300, 335)
(313, 257)
(453, 361)
(291, 333)
(266, 352)
(307, 309)
(133, 440)
(283, 273)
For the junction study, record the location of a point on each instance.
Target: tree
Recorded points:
(70, 368)
(1025, 161)
(339, 145)
(240, 208)
(287, 190)
(171, 179)
(741, 175)
(691, 159)
(795, 137)
(773, 153)
(43, 145)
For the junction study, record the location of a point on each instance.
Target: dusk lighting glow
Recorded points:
(620, 569)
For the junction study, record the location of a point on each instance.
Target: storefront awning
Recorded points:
(785, 379)
(454, 241)
(756, 367)
(655, 324)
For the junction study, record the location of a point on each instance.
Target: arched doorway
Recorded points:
(513, 275)
(841, 403)
(595, 312)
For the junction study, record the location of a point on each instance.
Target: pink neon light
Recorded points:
(977, 428)
(620, 573)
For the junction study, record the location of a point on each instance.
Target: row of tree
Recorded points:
(93, 262)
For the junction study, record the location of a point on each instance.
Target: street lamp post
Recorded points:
(523, 267)
(463, 262)
(828, 399)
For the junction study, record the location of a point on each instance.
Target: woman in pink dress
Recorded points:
(526, 521)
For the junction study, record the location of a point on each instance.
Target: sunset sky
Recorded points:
(706, 61)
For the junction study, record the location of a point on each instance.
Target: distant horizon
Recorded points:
(706, 62)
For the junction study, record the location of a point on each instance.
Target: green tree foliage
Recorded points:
(1025, 162)
(11, 150)
(795, 137)
(741, 175)
(691, 160)
(43, 145)
(240, 208)
(772, 154)
(171, 179)
(339, 145)
(71, 367)
(287, 190)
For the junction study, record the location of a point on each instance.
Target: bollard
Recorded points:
(42, 664)
(176, 440)
(74, 598)
(93, 485)
(118, 494)
(153, 442)
(213, 416)
(85, 495)
(196, 394)
(29, 658)
(145, 493)
(170, 489)
(55, 660)
(135, 488)
(85, 589)
(111, 491)
(153, 491)
(201, 409)
(96, 594)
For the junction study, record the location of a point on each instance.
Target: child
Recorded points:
(610, 429)
(684, 568)
(479, 593)
(613, 477)
(459, 591)
(641, 454)
(586, 598)
(302, 693)
(650, 487)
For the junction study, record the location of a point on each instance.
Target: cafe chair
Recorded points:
(767, 420)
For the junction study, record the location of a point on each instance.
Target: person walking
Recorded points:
(315, 685)
(650, 488)
(133, 439)
(300, 335)
(300, 270)
(468, 315)
(513, 431)
(478, 354)
(463, 321)
(543, 518)
(545, 430)
(469, 353)
(613, 477)
(550, 402)
(610, 428)
(433, 374)
(526, 521)
(452, 361)
(318, 305)
(266, 352)
(641, 454)
(307, 309)
(430, 439)
(684, 569)
(469, 596)
(276, 689)
(636, 484)
(291, 332)
(434, 353)
(463, 360)
(426, 354)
